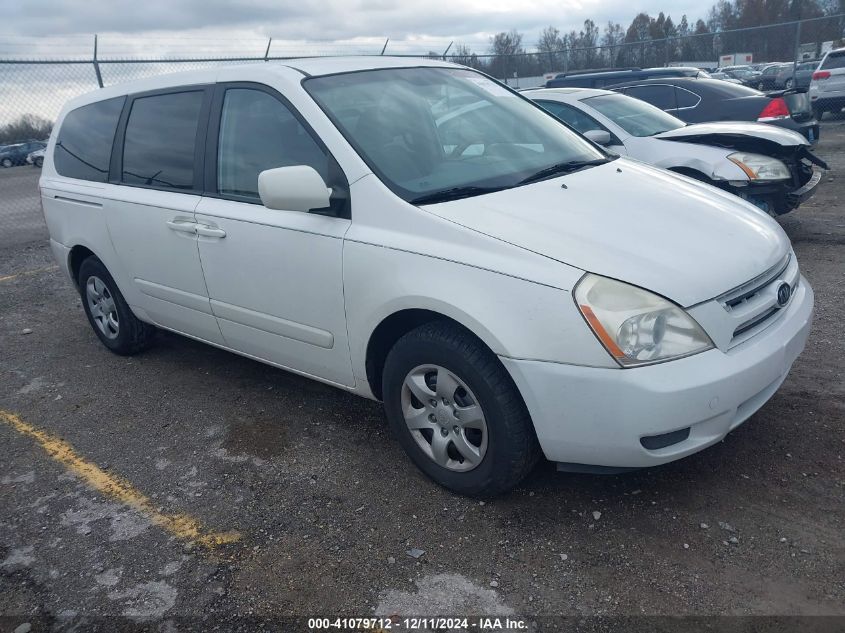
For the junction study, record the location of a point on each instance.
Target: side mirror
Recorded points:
(296, 188)
(602, 137)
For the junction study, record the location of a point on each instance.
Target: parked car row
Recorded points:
(415, 232)
(784, 94)
(19, 153)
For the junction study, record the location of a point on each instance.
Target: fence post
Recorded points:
(97, 64)
(384, 48)
(797, 52)
(267, 51)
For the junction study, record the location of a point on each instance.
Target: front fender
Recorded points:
(712, 162)
(513, 317)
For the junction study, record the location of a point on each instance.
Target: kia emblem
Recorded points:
(784, 293)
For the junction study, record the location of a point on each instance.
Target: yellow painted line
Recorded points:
(181, 526)
(28, 272)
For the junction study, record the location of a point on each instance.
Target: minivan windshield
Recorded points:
(436, 134)
(636, 117)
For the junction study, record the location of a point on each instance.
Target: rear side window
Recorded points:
(686, 98)
(834, 60)
(160, 140)
(83, 148)
(259, 132)
(661, 96)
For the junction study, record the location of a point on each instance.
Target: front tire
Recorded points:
(109, 314)
(39, 162)
(456, 411)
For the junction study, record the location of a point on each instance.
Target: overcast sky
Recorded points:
(128, 27)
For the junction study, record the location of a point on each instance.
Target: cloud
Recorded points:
(325, 21)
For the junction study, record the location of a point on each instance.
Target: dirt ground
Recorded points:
(327, 508)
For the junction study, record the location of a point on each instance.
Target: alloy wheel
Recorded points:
(444, 417)
(102, 307)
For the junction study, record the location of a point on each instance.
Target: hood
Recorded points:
(682, 239)
(726, 132)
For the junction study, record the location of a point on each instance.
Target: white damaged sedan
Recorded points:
(769, 166)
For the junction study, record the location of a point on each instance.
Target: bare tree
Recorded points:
(551, 49)
(505, 47)
(613, 37)
(26, 127)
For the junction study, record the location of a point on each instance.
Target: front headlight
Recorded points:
(637, 327)
(759, 167)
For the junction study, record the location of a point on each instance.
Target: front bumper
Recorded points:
(798, 196)
(780, 197)
(598, 417)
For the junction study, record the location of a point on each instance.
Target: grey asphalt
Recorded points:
(21, 220)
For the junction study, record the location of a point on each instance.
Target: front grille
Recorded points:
(754, 306)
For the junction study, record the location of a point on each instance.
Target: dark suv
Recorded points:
(605, 78)
(11, 155)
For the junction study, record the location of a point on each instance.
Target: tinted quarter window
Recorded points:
(161, 133)
(83, 148)
(661, 96)
(258, 132)
(686, 99)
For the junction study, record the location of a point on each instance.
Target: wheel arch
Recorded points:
(76, 256)
(394, 326)
(691, 172)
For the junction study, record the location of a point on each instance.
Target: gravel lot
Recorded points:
(327, 507)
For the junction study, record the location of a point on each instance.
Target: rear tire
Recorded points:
(471, 430)
(109, 314)
(6, 163)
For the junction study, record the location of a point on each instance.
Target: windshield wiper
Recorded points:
(453, 193)
(565, 168)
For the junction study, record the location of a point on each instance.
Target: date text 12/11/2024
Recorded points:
(378, 625)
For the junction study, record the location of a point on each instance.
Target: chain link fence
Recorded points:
(32, 91)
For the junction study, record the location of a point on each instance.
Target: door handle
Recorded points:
(210, 231)
(185, 226)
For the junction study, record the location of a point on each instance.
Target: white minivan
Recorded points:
(415, 232)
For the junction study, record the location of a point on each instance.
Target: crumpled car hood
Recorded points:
(727, 130)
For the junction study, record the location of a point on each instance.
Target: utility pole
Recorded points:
(797, 46)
